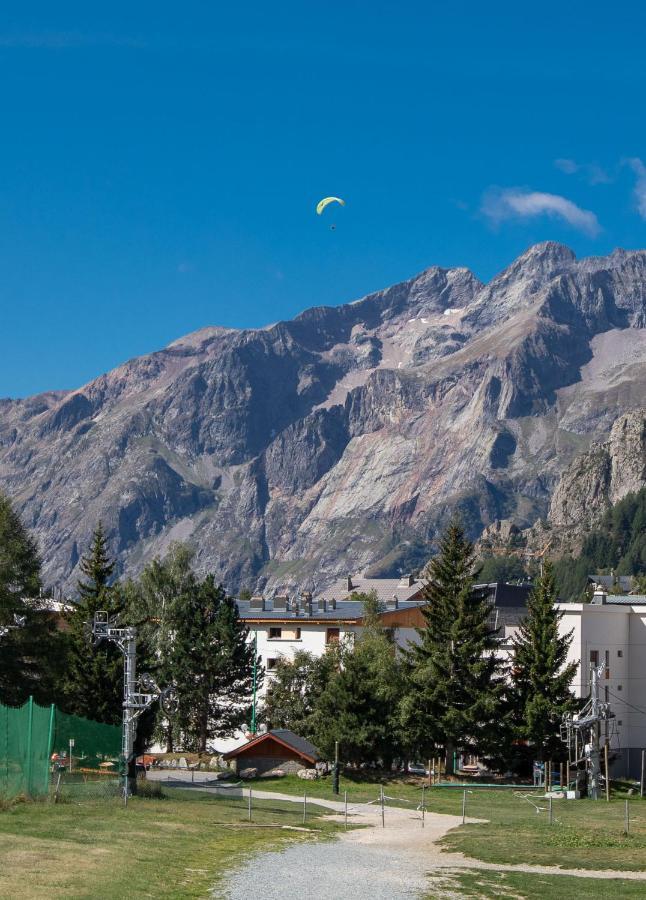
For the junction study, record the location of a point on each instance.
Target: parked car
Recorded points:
(417, 769)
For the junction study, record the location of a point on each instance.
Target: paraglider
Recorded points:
(322, 204)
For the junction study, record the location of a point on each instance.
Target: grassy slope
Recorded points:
(167, 848)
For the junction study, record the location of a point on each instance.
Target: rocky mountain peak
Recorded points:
(343, 438)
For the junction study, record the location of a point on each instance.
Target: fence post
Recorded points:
(627, 819)
(550, 811)
(50, 742)
(464, 806)
(383, 819)
(641, 783)
(304, 807)
(605, 754)
(30, 730)
(423, 803)
(345, 799)
(250, 804)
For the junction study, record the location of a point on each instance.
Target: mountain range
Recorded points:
(344, 439)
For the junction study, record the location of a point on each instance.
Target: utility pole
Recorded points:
(587, 725)
(254, 726)
(138, 693)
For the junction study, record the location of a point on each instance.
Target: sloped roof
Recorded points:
(608, 582)
(284, 736)
(385, 588)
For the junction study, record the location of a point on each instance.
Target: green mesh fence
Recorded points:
(25, 734)
(35, 742)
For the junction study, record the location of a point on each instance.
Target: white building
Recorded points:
(611, 630)
(281, 626)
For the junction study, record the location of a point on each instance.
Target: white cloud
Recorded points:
(514, 203)
(567, 165)
(590, 172)
(639, 191)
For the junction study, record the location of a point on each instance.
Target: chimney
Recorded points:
(257, 602)
(295, 605)
(333, 603)
(321, 604)
(280, 601)
(393, 603)
(407, 581)
(599, 597)
(349, 585)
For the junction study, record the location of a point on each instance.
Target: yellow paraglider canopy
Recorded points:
(320, 206)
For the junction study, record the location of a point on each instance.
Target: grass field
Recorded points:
(521, 886)
(168, 848)
(405, 791)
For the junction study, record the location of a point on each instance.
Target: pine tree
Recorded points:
(152, 603)
(212, 664)
(296, 687)
(454, 675)
(541, 676)
(30, 657)
(93, 686)
(359, 707)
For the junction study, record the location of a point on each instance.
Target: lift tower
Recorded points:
(581, 732)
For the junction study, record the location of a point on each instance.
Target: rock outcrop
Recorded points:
(345, 438)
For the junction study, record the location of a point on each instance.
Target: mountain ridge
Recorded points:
(342, 438)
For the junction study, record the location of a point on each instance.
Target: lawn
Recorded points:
(585, 834)
(404, 790)
(482, 885)
(177, 847)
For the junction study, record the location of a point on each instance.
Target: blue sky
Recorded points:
(160, 162)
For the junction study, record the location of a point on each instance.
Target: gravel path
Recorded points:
(402, 860)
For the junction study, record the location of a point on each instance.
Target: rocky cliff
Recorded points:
(343, 439)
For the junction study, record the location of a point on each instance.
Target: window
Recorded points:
(620, 687)
(332, 636)
(275, 633)
(620, 653)
(298, 634)
(594, 657)
(607, 663)
(271, 663)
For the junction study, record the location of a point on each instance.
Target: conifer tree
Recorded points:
(152, 604)
(359, 707)
(541, 676)
(30, 658)
(211, 661)
(455, 679)
(94, 681)
(296, 687)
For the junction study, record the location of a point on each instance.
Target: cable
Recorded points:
(626, 703)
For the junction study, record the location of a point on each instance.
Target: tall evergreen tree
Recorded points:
(30, 658)
(211, 660)
(93, 685)
(359, 707)
(541, 676)
(455, 677)
(152, 605)
(296, 687)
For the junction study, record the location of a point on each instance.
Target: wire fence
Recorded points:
(43, 750)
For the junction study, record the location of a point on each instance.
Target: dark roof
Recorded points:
(625, 600)
(346, 610)
(503, 594)
(608, 582)
(297, 743)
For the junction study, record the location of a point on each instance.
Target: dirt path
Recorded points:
(401, 860)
